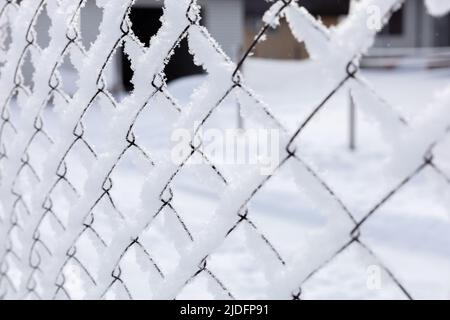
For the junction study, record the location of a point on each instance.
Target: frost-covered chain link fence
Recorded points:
(62, 234)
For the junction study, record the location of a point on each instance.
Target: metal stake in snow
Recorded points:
(352, 121)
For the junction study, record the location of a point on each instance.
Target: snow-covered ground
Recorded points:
(111, 168)
(410, 233)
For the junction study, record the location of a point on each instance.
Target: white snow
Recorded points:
(438, 7)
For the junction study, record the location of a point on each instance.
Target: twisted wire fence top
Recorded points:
(64, 232)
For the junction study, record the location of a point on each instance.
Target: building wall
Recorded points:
(223, 18)
(442, 31)
(280, 43)
(225, 21)
(412, 20)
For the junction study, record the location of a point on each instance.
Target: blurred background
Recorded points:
(413, 38)
(407, 67)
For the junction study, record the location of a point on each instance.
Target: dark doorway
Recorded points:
(396, 24)
(146, 23)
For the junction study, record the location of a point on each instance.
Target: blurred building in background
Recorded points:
(411, 35)
(413, 27)
(233, 23)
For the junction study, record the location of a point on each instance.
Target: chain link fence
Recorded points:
(63, 232)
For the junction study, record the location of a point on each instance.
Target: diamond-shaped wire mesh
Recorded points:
(67, 230)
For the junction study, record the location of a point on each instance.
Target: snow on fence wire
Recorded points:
(65, 239)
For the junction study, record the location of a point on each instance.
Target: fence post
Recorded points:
(352, 121)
